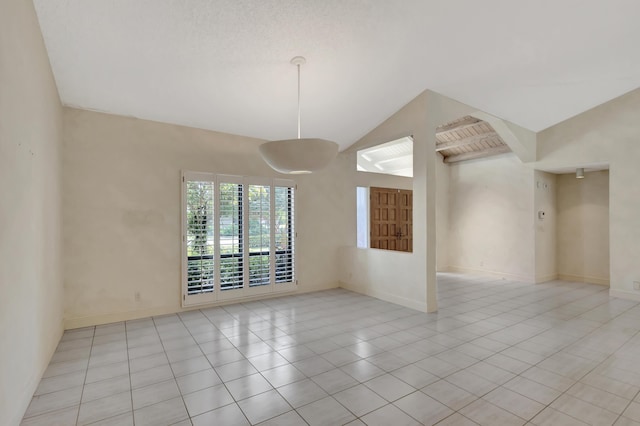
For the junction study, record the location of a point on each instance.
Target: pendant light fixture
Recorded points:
(580, 173)
(298, 156)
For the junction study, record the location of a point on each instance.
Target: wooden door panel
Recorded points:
(405, 220)
(391, 216)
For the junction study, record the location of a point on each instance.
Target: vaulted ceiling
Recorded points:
(224, 64)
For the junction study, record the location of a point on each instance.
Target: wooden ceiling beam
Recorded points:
(477, 154)
(441, 146)
(458, 125)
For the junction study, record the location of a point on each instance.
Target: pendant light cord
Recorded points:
(297, 61)
(298, 65)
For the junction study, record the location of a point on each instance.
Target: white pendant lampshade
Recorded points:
(580, 173)
(299, 156)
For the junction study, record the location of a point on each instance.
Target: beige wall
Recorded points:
(608, 134)
(442, 200)
(491, 228)
(30, 231)
(583, 227)
(378, 272)
(122, 212)
(371, 271)
(410, 279)
(545, 193)
(442, 215)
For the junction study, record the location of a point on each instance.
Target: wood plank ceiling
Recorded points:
(468, 138)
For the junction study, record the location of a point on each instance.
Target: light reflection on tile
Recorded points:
(496, 351)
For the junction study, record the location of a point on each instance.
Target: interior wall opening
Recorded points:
(583, 227)
(384, 211)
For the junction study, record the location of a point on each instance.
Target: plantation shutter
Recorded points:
(238, 237)
(231, 241)
(284, 229)
(259, 200)
(198, 238)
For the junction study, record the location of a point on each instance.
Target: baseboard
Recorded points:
(583, 279)
(625, 294)
(495, 274)
(546, 278)
(387, 297)
(108, 318)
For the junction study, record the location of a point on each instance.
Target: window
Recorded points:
(362, 214)
(231, 233)
(259, 235)
(199, 240)
(238, 237)
(284, 235)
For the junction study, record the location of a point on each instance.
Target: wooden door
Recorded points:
(391, 218)
(405, 221)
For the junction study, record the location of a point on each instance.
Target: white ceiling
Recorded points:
(588, 167)
(224, 64)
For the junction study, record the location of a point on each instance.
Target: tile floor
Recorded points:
(497, 353)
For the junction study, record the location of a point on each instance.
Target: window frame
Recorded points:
(218, 294)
